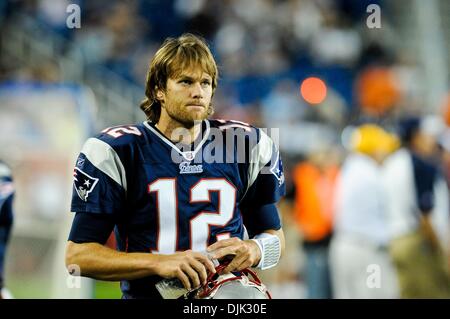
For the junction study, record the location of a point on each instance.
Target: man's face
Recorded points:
(187, 97)
(425, 144)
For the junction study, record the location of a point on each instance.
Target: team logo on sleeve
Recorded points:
(83, 183)
(277, 170)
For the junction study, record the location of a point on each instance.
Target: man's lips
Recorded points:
(196, 105)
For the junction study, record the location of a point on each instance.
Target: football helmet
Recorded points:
(242, 285)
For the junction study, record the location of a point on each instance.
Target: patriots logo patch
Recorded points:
(83, 183)
(277, 170)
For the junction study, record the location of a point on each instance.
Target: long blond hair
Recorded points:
(174, 56)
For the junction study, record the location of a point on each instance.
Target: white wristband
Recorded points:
(270, 248)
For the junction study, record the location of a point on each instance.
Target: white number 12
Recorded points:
(200, 224)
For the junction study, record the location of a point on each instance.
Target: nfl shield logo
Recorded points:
(188, 155)
(83, 183)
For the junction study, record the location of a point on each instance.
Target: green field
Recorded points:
(39, 288)
(107, 290)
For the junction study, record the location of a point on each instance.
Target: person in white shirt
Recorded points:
(360, 263)
(418, 212)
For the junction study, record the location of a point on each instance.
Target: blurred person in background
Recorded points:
(360, 240)
(442, 219)
(416, 193)
(314, 185)
(6, 220)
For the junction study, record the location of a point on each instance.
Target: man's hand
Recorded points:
(246, 253)
(190, 267)
(430, 234)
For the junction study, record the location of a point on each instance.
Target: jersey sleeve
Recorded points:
(265, 176)
(99, 178)
(87, 228)
(265, 183)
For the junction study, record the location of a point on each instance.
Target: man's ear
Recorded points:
(159, 94)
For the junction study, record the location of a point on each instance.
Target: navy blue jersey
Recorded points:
(6, 214)
(167, 197)
(425, 176)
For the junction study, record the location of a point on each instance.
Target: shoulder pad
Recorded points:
(120, 135)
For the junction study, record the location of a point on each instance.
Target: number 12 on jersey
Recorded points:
(200, 223)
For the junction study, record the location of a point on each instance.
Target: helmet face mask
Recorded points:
(245, 285)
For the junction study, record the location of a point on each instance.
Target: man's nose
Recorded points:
(197, 90)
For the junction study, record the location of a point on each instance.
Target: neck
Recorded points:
(176, 131)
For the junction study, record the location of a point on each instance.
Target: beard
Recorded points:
(189, 117)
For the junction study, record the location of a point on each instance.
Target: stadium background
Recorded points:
(60, 85)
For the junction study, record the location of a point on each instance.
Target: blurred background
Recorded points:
(319, 70)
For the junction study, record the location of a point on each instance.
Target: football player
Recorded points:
(179, 189)
(6, 218)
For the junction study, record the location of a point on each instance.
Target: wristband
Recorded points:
(270, 248)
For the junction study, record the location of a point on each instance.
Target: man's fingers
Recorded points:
(206, 261)
(222, 252)
(235, 263)
(201, 270)
(192, 274)
(217, 245)
(221, 243)
(245, 264)
(184, 279)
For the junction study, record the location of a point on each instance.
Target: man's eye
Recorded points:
(186, 81)
(206, 83)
